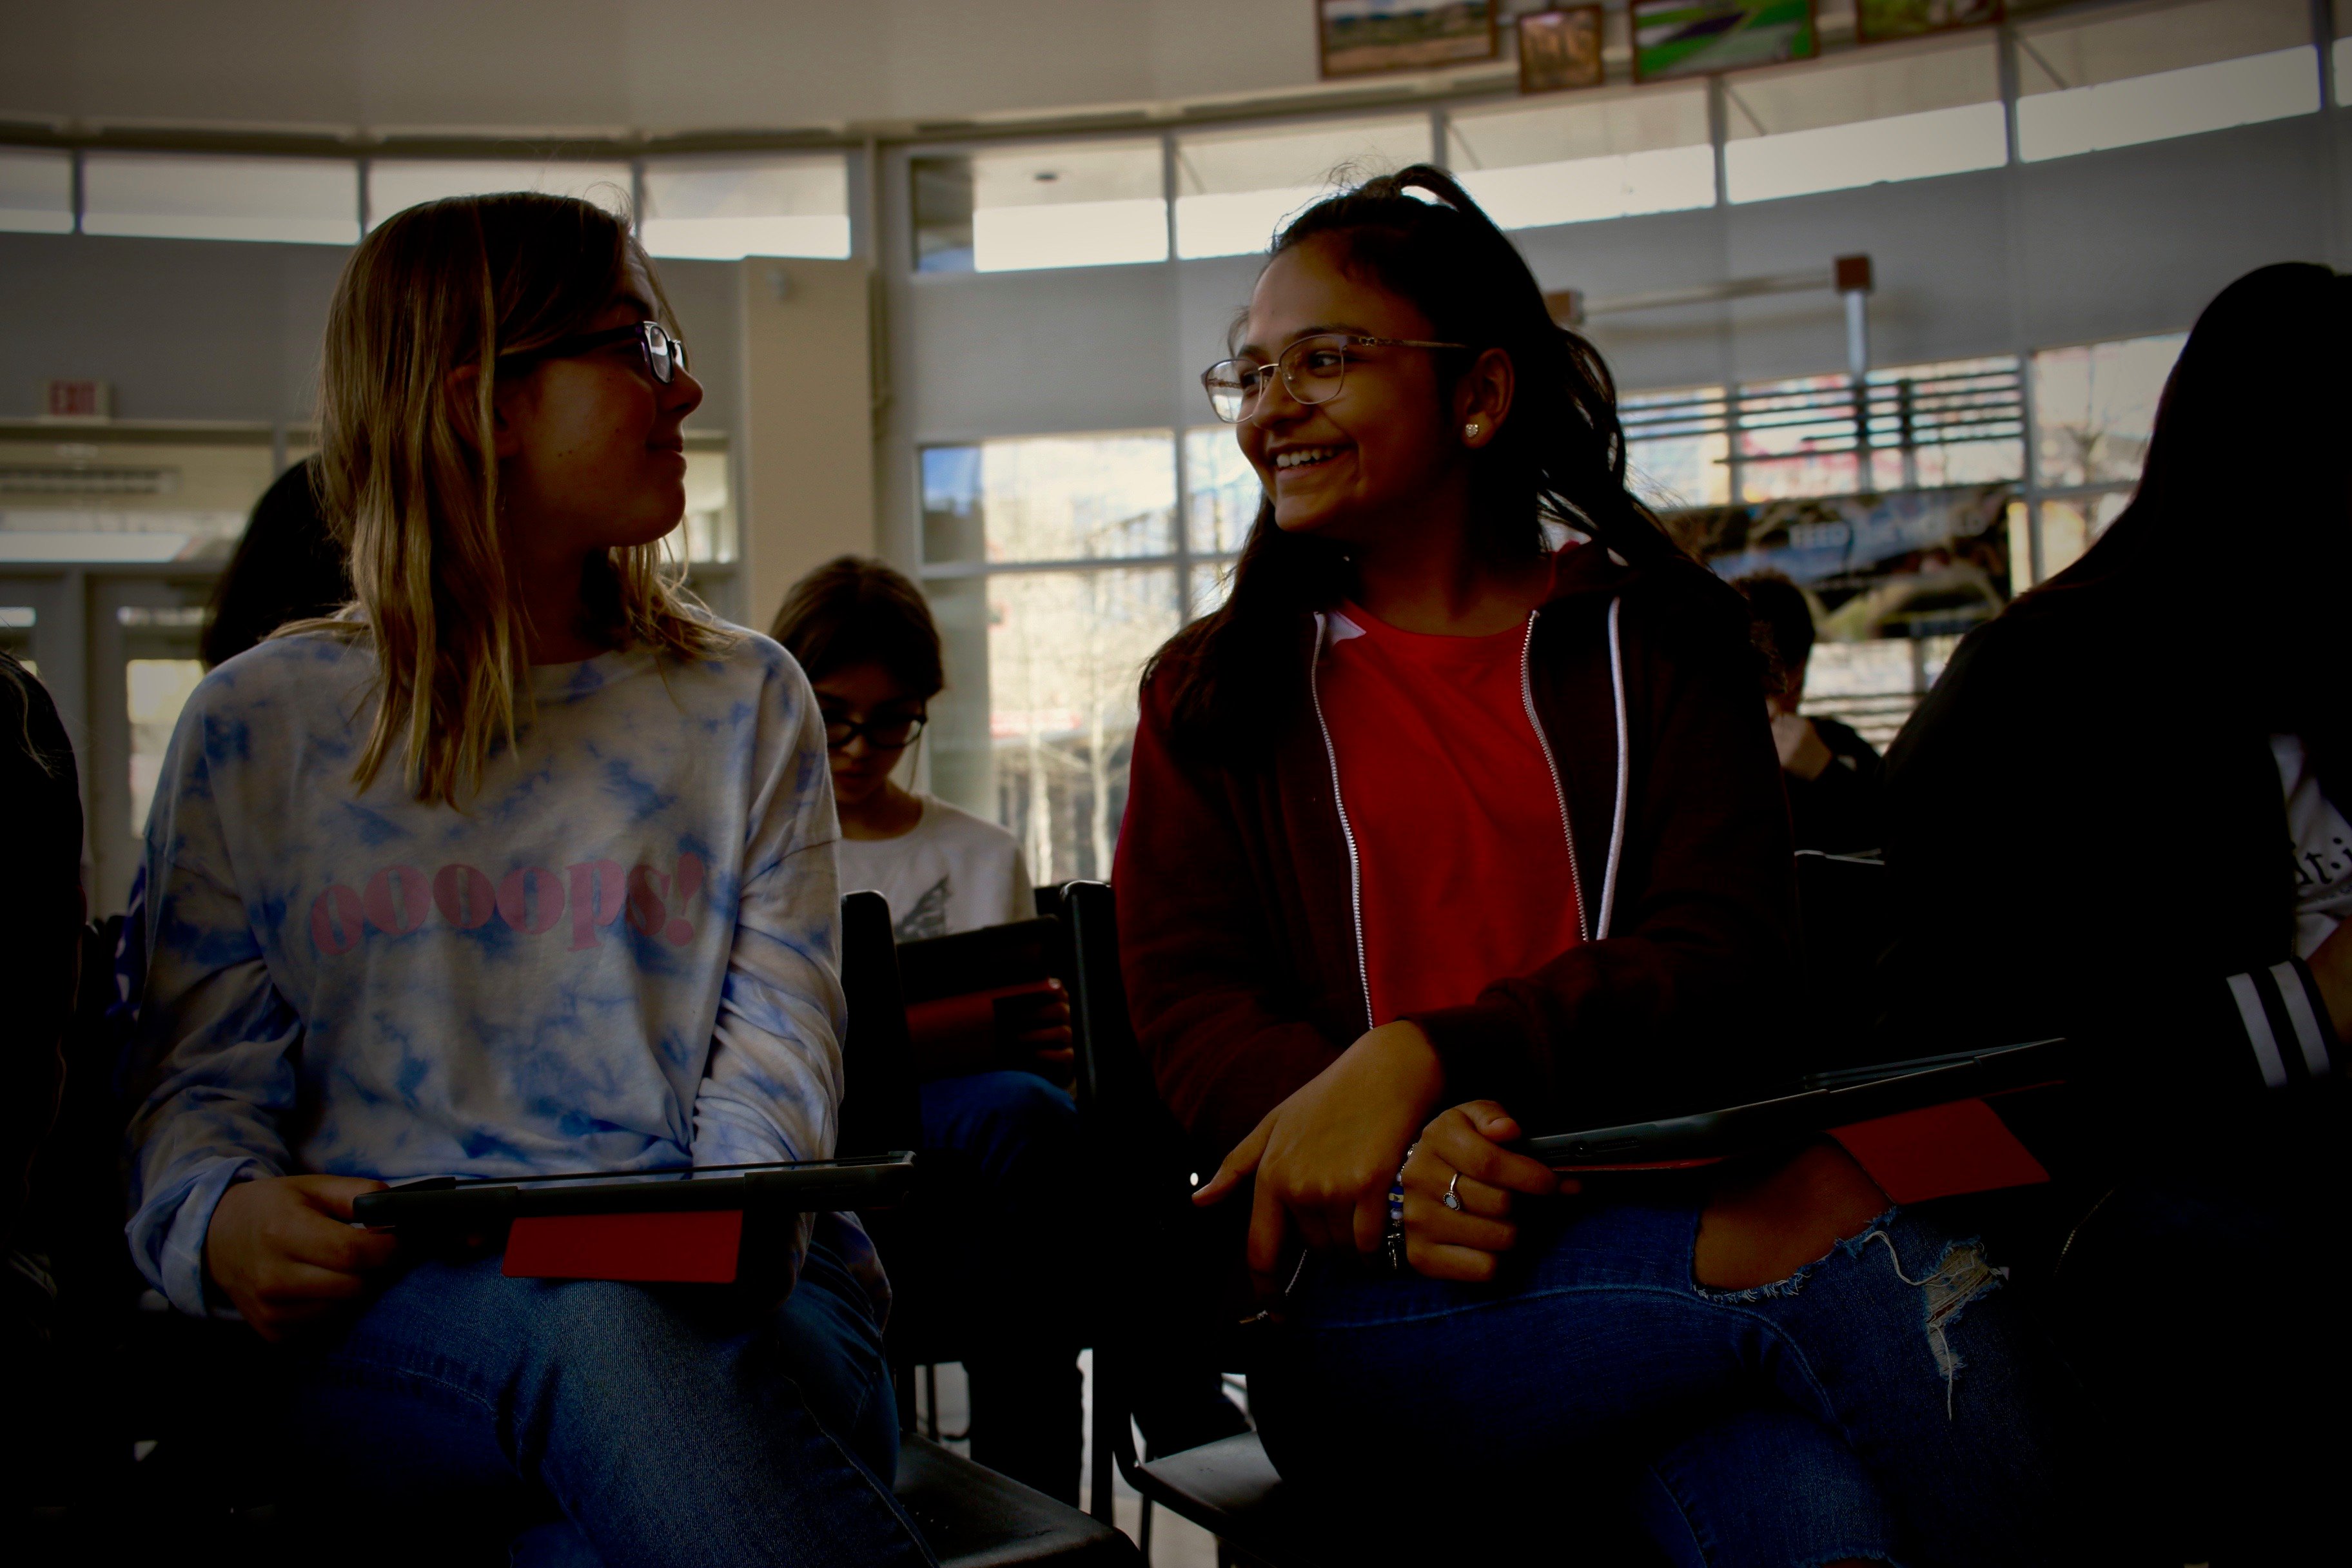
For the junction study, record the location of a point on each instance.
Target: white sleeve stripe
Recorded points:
(2306, 1024)
(2257, 1030)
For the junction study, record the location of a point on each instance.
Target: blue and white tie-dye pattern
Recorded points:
(619, 954)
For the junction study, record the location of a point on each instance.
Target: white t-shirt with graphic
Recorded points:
(2322, 844)
(952, 873)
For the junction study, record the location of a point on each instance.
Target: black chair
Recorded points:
(971, 1516)
(1166, 1266)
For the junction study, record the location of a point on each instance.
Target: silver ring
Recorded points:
(1452, 1198)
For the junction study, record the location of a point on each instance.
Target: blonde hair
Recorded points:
(409, 477)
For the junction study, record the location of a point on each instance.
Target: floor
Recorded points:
(1175, 1543)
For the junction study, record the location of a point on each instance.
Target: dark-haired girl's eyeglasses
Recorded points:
(664, 356)
(1313, 370)
(887, 733)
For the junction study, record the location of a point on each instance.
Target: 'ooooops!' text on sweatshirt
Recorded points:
(619, 954)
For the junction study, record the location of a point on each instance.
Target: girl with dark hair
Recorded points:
(1437, 834)
(2149, 853)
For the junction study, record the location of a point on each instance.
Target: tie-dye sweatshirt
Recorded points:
(619, 954)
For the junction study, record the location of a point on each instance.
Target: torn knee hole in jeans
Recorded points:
(1961, 1275)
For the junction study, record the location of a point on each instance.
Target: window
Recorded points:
(1080, 203)
(2094, 408)
(36, 192)
(115, 495)
(312, 201)
(709, 535)
(2114, 81)
(723, 209)
(1235, 188)
(155, 690)
(1677, 451)
(1044, 652)
(395, 184)
(1637, 152)
(1902, 115)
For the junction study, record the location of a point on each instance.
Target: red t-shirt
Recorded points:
(1466, 873)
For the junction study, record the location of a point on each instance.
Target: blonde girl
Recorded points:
(522, 864)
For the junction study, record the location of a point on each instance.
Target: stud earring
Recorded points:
(1470, 432)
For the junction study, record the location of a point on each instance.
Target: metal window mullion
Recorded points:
(2005, 63)
(638, 198)
(80, 187)
(1718, 133)
(1183, 556)
(1168, 189)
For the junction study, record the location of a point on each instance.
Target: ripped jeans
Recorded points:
(1883, 1403)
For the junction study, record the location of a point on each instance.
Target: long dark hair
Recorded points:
(1560, 457)
(288, 566)
(2242, 519)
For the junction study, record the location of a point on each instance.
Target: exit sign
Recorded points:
(77, 400)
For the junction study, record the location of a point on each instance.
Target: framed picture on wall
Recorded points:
(1559, 49)
(1701, 37)
(1879, 20)
(1363, 37)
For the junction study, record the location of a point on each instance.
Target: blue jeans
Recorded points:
(600, 1423)
(1880, 1403)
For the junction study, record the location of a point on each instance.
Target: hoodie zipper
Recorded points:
(1346, 831)
(1528, 699)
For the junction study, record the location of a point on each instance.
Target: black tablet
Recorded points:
(481, 1205)
(1825, 1100)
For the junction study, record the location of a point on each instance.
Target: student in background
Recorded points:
(1831, 774)
(999, 1253)
(40, 959)
(2121, 817)
(523, 867)
(288, 566)
(1437, 835)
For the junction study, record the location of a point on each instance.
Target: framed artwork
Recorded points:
(1559, 49)
(1362, 37)
(1700, 37)
(1879, 20)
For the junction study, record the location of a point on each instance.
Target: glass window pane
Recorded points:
(116, 500)
(1212, 583)
(1796, 438)
(178, 196)
(1065, 651)
(1223, 493)
(36, 191)
(722, 209)
(1235, 188)
(1960, 422)
(708, 534)
(2069, 525)
(2094, 406)
(155, 690)
(1077, 205)
(2113, 81)
(1675, 448)
(395, 184)
(1903, 116)
(1572, 162)
(1050, 498)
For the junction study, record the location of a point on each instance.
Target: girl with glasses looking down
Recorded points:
(521, 865)
(1459, 821)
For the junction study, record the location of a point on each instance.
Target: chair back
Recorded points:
(1843, 904)
(1169, 1271)
(880, 1110)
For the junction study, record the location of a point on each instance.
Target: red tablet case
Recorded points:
(1940, 1151)
(696, 1246)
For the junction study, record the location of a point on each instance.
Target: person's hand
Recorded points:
(284, 1251)
(2331, 966)
(1324, 1157)
(1800, 745)
(1467, 1243)
(1032, 1032)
